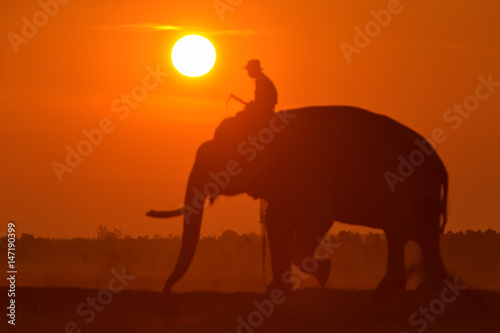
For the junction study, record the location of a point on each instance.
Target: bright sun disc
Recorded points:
(193, 55)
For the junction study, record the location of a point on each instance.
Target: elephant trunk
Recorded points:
(190, 234)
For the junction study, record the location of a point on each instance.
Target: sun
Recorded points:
(193, 55)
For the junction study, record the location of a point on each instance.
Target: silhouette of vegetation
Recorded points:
(232, 262)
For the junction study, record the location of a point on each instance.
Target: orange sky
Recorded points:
(65, 78)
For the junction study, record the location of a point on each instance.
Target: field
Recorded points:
(309, 310)
(111, 283)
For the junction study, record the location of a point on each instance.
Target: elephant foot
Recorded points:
(323, 271)
(432, 285)
(276, 287)
(167, 289)
(391, 286)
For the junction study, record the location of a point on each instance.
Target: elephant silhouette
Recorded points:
(317, 165)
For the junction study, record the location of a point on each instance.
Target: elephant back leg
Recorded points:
(426, 233)
(395, 277)
(433, 264)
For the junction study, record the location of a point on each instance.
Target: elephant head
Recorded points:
(229, 164)
(211, 175)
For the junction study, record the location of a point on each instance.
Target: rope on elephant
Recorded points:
(262, 216)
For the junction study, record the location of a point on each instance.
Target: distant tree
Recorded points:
(228, 234)
(490, 233)
(104, 234)
(27, 237)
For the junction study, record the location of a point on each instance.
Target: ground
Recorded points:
(308, 310)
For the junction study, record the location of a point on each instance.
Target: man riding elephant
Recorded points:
(257, 112)
(266, 95)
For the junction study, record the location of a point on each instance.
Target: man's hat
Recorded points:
(253, 64)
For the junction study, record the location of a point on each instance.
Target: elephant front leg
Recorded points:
(308, 239)
(280, 233)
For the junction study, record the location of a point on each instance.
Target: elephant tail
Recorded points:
(444, 200)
